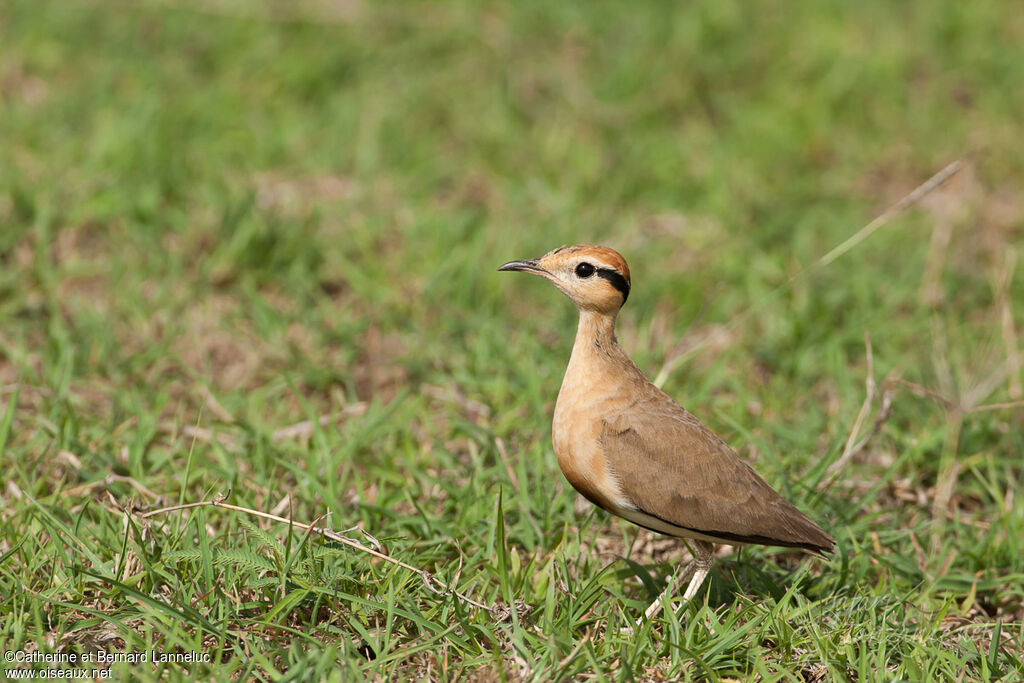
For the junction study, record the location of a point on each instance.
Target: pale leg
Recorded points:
(703, 558)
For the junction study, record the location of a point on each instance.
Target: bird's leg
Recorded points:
(655, 607)
(703, 558)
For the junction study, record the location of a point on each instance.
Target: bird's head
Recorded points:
(595, 278)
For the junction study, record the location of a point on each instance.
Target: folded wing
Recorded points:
(695, 484)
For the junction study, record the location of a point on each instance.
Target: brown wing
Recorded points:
(677, 470)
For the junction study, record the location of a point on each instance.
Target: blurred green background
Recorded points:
(222, 219)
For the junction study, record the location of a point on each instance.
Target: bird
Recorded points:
(629, 448)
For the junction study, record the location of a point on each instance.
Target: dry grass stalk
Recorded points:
(432, 583)
(1004, 277)
(904, 203)
(853, 447)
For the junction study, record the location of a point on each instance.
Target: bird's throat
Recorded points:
(596, 332)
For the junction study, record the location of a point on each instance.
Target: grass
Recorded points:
(220, 220)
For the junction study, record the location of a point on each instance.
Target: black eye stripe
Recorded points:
(618, 282)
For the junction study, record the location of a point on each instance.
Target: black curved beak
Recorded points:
(527, 266)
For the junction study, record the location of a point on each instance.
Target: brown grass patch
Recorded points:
(18, 84)
(280, 193)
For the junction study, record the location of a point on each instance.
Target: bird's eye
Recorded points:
(584, 270)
